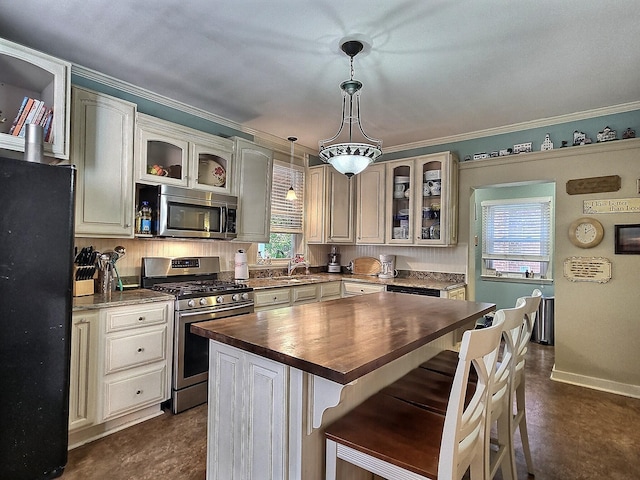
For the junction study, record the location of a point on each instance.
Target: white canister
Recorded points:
(242, 267)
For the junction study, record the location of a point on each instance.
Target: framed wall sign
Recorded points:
(627, 239)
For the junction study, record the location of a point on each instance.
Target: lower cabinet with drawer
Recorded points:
(271, 299)
(121, 372)
(350, 289)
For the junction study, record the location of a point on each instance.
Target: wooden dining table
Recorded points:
(276, 377)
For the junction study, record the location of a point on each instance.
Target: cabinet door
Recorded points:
(340, 207)
(400, 204)
(103, 154)
(436, 199)
(28, 73)
(316, 201)
(370, 205)
(161, 152)
(254, 165)
(82, 384)
(211, 166)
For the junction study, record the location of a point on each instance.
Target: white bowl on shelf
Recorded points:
(401, 179)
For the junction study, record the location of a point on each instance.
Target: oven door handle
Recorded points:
(214, 310)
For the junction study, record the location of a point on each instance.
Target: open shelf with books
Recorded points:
(34, 88)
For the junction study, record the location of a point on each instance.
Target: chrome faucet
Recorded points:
(293, 265)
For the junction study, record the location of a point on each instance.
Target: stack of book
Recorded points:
(33, 111)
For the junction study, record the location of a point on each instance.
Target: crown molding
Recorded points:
(517, 127)
(261, 138)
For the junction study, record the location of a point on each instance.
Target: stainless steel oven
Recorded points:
(200, 297)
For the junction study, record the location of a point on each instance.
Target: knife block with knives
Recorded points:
(84, 269)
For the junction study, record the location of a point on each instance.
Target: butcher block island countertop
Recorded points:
(342, 340)
(278, 377)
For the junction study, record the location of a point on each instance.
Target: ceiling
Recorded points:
(430, 69)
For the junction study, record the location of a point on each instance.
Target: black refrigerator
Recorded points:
(36, 262)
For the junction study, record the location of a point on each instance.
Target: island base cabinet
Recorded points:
(247, 399)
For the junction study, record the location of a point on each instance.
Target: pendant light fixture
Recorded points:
(291, 193)
(350, 158)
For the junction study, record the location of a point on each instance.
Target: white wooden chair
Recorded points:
(397, 440)
(530, 305)
(503, 395)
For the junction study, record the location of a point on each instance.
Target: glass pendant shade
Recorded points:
(291, 194)
(350, 158)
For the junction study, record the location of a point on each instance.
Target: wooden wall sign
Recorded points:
(587, 269)
(579, 186)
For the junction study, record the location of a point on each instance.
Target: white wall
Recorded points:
(597, 326)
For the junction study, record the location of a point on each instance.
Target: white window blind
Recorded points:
(517, 230)
(286, 215)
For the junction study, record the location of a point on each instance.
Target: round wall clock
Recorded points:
(586, 232)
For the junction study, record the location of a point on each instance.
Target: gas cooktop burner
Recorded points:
(199, 287)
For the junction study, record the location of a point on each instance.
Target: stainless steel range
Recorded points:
(200, 297)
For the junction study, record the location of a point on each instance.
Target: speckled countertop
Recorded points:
(276, 282)
(118, 299)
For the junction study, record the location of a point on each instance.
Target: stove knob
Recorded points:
(245, 296)
(220, 299)
(235, 297)
(203, 301)
(191, 303)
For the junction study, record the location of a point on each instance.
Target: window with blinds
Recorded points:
(517, 236)
(287, 215)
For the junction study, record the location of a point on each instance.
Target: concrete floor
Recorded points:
(574, 432)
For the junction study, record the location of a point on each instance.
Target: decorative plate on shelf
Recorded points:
(211, 173)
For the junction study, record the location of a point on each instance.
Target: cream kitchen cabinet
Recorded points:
(135, 351)
(102, 150)
(330, 210)
(454, 294)
(28, 73)
(370, 205)
(170, 154)
(253, 172)
(330, 290)
(422, 200)
(271, 298)
(82, 378)
(350, 289)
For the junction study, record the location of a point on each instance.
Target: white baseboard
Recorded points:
(609, 386)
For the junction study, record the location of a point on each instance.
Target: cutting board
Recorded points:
(366, 266)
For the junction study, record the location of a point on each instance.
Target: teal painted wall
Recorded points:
(162, 111)
(504, 293)
(562, 131)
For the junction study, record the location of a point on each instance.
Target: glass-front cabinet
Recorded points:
(167, 153)
(422, 195)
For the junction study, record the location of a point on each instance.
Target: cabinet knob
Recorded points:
(138, 392)
(140, 350)
(141, 319)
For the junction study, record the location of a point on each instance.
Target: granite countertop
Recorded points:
(118, 299)
(342, 340)
(284, 281)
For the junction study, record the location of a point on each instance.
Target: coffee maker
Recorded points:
(334, 261)
(388, 266)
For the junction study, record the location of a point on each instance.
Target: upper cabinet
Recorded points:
(28, 73)
(102, 151)
(422, 200)
(167, 153)
(253, 172)
(370, 205)
(330, 206)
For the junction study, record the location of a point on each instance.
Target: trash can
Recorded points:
(544, 325)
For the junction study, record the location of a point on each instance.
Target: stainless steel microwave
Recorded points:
(185, 213)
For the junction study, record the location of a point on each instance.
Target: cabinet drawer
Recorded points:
(276, 296)
(349, 288)
(304, 294)
(133, 392)
(130, 317)
(135, 350)
(331, 289)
